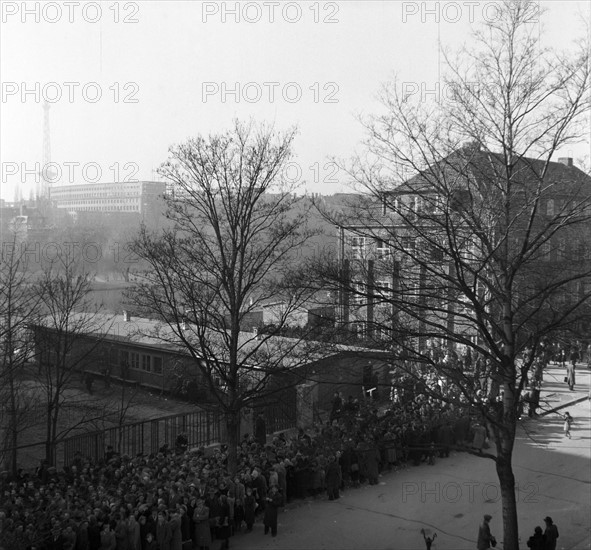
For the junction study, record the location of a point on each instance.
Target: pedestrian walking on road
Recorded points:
(550, 534)
(568, 420)
(485, 538)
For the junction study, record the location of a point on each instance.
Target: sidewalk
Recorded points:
(555, 394)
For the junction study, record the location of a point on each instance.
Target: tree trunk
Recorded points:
(48, 443)
(233, 436)
(507, 483)
(13, 425)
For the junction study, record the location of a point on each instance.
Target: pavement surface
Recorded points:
(553, 478)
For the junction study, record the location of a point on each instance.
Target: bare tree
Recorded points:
(468, 234)
(67, 315)
(18, 305)
(230, 250)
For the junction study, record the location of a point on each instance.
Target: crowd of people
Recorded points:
(186, 499)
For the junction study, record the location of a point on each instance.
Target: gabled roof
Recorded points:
(480, 168)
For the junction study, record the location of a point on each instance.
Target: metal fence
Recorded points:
(146, 437)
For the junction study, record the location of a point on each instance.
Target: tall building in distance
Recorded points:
(139, 197)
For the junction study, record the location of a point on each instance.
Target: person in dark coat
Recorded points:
(145, 528)
(176, 537)
(55, 541)
(162, 532)
(259, 485)
(250, 505)
(484, 535)
(94, 533)
(333, 478)
(537, 541)
(224, 523)
(273, 502)
(551, 534)
(201, 521)
(185, 524)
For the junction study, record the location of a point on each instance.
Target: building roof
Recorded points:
(480, 167)
(253, 348)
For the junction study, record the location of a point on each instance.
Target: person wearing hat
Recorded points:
(551, 534)
(485, 539)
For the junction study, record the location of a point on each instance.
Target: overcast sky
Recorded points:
(166, 70)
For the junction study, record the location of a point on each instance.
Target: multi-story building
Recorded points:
(141, 197)
(400, 244)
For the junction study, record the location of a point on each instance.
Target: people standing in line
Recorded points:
(568, 420)
(537, 541)
(485, 538)
(551, 534)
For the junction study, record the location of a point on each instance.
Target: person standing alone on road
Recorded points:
(568, 420)
(485, 539)
(551, 533)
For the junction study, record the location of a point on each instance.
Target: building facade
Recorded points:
(140, 197)
(398, 251)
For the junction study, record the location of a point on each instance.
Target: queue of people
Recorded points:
(186, 499)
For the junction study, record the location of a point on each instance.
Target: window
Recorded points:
(359, 329)
(135, 360)
(408, 245)
(357, 292)
(546, 250)
(384, 289)
(146, 363)
(550, 207)
(157, 364)
(358, 247)
(435, 253)
(383, 250)
(562, 249)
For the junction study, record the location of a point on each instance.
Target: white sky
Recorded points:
(170, 52)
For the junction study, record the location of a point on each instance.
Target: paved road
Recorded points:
(553, 474)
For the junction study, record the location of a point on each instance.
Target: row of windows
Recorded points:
(141, 361)
(102, 208)
(383, 250)
(560, 250)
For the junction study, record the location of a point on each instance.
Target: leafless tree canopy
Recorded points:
(468, 232)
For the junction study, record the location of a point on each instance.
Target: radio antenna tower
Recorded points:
(47, 174)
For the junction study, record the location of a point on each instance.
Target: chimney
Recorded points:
(126, 316)
(567, 161)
